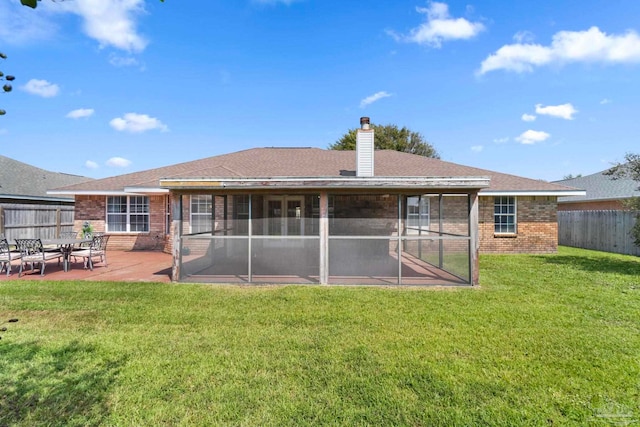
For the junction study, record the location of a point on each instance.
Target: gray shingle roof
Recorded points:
(310, 162)
(601, 187)
(26, 181)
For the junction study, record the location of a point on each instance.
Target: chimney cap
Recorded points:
(364, 123)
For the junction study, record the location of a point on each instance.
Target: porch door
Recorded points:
(285, 215)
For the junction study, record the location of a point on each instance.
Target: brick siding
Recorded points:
(537, 227)
(94, 208)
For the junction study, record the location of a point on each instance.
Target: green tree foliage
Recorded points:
(572, 176)
(630, 169)
(7, 86)
(390, 137)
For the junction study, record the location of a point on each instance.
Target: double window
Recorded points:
(128, 214)
(504, 215)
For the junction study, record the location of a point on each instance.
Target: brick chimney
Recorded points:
(364, 148)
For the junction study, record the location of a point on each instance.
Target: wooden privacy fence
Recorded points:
(35, 221)
(600, 230)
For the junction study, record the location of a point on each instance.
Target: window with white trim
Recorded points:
(201, 212)
(417, 213)
(504, 215)
(127, 214)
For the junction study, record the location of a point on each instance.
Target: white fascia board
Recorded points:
(127, 191)
(90, 193)
(145, 190)
(532, 193)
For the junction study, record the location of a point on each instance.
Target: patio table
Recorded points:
(66, 245)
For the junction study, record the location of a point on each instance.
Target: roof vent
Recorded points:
(364, 148)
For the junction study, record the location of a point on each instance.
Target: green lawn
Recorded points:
(546, 340)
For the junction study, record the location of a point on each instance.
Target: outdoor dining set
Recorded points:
(35, 253)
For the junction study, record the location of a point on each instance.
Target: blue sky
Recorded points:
(104, 87)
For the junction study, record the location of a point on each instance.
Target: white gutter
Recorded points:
(128, 191)
(145, 190)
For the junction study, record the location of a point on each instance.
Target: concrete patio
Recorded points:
(123, 266)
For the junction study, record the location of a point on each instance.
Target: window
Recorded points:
(504, 215)
(315, 213)
(201, 210)
(127, 214)
(241, 214)
(417, 213)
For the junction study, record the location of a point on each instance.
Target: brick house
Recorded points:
(307, 215)
(601, 193)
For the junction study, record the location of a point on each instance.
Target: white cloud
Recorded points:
(80, 113)
(123, 61)
(439, 27)
(41, 88)
(136, 123)
(605, 101)
(477, 148)
(532, 136)
(523, 37)
(19, 25)
(564, 111)
(90, 164)
(528, 117)
(501, 140)
(111, 23)
(118, 162)
(373, 98)
(591, 45)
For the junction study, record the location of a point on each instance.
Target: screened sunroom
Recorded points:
(335, 235)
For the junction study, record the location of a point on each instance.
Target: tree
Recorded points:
(630, 169)
(572, 176)
(7, 86)
(390, 137)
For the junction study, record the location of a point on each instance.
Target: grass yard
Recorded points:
(546, 340)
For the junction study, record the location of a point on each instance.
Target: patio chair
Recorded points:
(97, 249)
(6, 256)
(32, 252)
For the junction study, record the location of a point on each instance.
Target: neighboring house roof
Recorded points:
(272, 163)
(600, 187)
(20, 181)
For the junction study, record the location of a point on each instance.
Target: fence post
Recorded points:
(1, 221)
